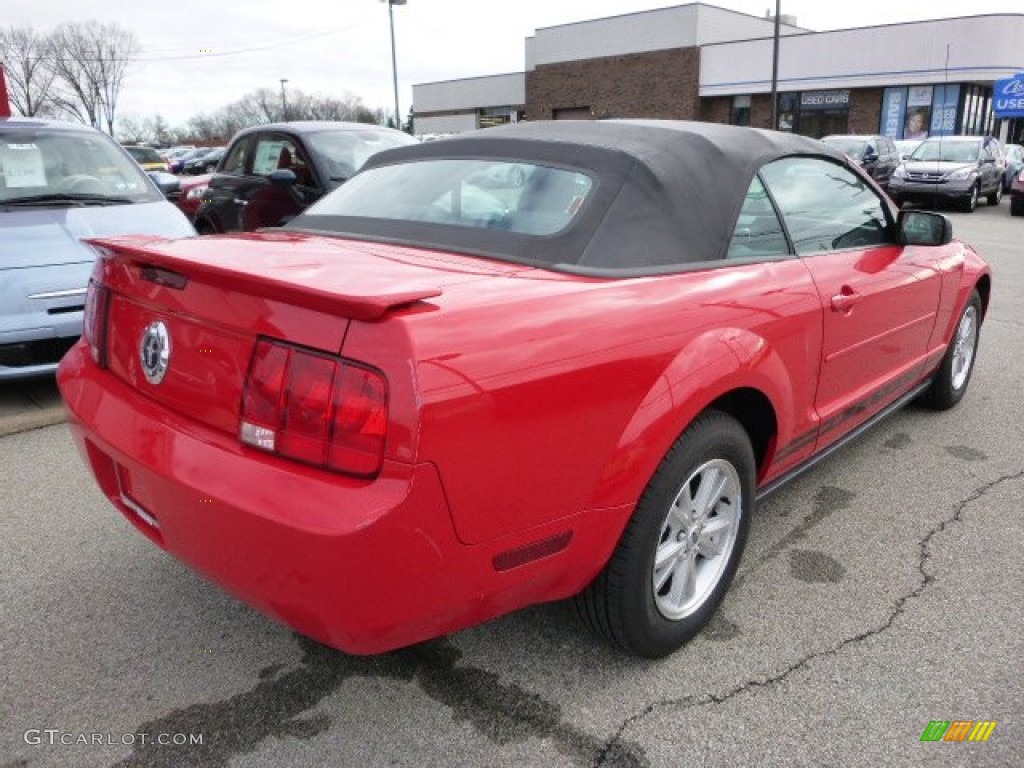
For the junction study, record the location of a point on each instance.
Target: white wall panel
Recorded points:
(471, 93)
(981, 49)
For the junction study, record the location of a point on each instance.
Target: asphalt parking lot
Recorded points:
(879, 592)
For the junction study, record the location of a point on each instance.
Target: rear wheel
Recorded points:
(679, 552)
(1017, 205)
(954, 374)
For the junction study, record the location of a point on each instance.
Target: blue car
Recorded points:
(61, 183)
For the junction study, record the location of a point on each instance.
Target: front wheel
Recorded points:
(971, 201)
(679, 552)
(950, 382)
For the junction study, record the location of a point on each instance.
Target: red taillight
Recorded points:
(360, 420)
(315, 408)
(94, 322)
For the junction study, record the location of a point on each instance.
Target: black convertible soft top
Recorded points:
(667, 197)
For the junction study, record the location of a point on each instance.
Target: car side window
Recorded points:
(235, 161)
(278, 153)
(758, 231)
(825, 206)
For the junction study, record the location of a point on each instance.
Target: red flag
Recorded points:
(5, 104)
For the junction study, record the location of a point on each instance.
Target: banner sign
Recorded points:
(944, 109)
(1009, 96)
(893, 108)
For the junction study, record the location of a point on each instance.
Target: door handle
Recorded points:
(845, 300)
(241, 203)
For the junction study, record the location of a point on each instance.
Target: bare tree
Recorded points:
(265, 106)
(158, 130)
(89, 61)
(25, 56)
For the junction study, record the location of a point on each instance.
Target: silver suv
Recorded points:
(958, 169)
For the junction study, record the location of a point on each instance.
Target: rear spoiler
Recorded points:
(143, 251)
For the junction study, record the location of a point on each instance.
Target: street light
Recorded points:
(775, 66)
(284, 101)
(394, 60)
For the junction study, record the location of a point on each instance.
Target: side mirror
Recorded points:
(924, 228)
(169, 186)
(283, 177)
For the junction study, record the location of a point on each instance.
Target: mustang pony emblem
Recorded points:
(155, 352)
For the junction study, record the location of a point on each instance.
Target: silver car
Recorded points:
(61, 183)
(954, 169)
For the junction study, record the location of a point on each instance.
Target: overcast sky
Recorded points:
(198, 55)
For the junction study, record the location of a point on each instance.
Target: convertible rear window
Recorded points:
(516, 197)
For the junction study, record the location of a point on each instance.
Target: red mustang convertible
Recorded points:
(527, 363)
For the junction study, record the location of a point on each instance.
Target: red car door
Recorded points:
(879, 299)
(879, 306)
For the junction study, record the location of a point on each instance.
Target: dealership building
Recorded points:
(701, 62)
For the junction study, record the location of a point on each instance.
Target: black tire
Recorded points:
(954, 373)
(204, 227)
(970, 202)
(623, 604)
(1017, 206)
(996, 195)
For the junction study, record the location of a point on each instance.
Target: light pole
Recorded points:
(394, 60)
(775, 67)
(284, 101)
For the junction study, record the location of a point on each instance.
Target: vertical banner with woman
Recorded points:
(919, 112)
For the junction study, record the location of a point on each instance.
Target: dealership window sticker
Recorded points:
(22, 166)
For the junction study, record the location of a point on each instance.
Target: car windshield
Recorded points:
(50, 164)
(485, 194)
(345, 152)
(852, 147)
(947, 151)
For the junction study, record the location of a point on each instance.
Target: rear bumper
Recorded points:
(362, 566)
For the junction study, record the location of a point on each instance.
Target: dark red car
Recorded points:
(533, 362)
(1017, 194)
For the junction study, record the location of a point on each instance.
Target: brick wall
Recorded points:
(660, 84)
(865, 110)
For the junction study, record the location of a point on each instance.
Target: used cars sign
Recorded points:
(1009, 93)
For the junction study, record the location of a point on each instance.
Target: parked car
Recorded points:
(906, 147)
(148, 158)
(273, 172)
(204, 163)
(399, 416)
(954, 169)
(1017, 195)
(178, 163)
(876, 154)
(1014, 157)
(60, 182)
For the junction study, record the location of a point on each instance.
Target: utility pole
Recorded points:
(775, 68)
(284, 100)
(394, 59)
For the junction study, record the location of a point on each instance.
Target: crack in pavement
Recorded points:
(898, 610)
